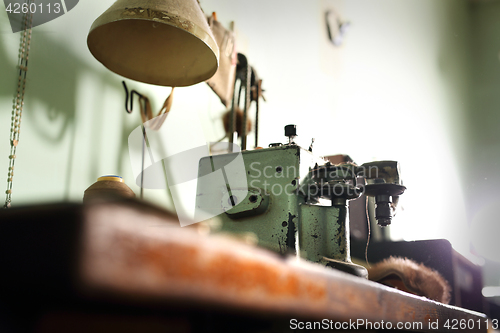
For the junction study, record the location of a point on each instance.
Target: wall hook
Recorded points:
(335, 27)
(127, 108)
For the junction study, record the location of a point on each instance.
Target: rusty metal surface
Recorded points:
(139, 255)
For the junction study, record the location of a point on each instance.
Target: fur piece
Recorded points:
(407, 275)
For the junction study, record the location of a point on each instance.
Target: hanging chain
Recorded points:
(17, 109)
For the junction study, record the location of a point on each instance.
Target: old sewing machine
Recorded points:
(295, 202)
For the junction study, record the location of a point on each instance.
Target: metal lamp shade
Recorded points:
(162, 42)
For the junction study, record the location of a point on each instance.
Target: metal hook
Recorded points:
(335, 28)
(129, 110)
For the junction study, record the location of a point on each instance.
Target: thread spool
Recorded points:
(109, 186)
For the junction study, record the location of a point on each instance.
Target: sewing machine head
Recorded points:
(294, 202)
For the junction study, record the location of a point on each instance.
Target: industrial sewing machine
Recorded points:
(294, 202)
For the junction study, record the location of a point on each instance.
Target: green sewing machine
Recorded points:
(294, 202)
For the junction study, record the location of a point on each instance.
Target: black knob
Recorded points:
(291, 130)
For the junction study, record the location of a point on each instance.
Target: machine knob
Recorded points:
(290, 132)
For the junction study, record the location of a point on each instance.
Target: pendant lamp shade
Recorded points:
(162, 42)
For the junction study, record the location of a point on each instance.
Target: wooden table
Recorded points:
(125, 266)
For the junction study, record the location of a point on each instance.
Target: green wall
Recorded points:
(483, 129)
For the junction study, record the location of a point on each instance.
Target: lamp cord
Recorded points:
(369, 232)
